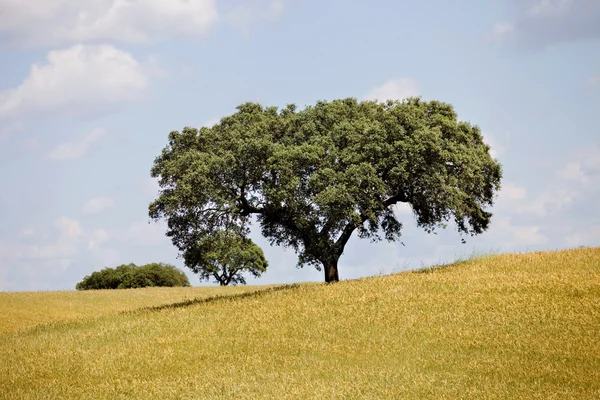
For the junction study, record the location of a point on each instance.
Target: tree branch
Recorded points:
(247, 208)
(351, 227)
(398, 197)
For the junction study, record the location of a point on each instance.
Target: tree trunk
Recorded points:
(331, 270)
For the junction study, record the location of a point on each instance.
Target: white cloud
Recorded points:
(550, 8)
(78, 147)
(512, 192)
(59, 253)
(513, 199)
(77, 80)
(56, 22)
(551, 200)
(65, 246)
(500, 32)
(590, 237)
(573, 172)
(98, 204)
(584, 169)
(496, 149)
(518, 235)
(576, 183)
(394, 89)
(69, 227)
(144, 233)
(538, 23)
(27, 232)
(249, 12)
(96, 238)
(211, 123)
(528, 235)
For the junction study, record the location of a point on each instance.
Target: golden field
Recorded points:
(515, 326)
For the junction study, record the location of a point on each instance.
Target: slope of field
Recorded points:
(23, 310)
(503, 327)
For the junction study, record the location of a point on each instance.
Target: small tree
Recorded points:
(226, 255)
(314, 177)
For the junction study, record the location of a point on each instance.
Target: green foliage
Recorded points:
(131, 276)
(225, 256)
(313, 177)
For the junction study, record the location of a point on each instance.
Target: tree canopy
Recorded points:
(312, 177)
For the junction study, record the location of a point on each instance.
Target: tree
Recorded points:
(312, 177)
(129, 276)
(225, 255)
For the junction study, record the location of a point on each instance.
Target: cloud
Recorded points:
(552, 200)
(539, 23)
(500, 32)
(78, 147)
(584, 169)
(98, 204)
(39, 261)
(575, 183)
(521, 235)
(394, 89)
(78, 80)
(57, 22)
(496, 149)
(249, 12)
(96, 238)
(27, 232)
(52, 258)
(554, 8)
(69, 227)
(59, 253)
(144, 233)
(211, 123)
(589, 237)
(512, 192)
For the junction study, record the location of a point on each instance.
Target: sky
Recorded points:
(89, 91)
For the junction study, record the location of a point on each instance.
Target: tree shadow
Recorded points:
(216, 298)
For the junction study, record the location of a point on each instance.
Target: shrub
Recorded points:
(128, 276)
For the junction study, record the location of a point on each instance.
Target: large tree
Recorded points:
(313, 177)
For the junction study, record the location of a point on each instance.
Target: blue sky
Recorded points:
(90, 90)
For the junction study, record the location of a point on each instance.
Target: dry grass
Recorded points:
(24, 310)
(504, 327)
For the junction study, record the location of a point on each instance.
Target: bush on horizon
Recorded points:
(129, 276)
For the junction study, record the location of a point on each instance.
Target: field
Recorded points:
(29, 309)
(501, 327)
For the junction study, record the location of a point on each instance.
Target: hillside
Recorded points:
(503, 327)
(24, 310)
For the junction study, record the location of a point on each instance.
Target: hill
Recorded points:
(503, 327)
(24, 310)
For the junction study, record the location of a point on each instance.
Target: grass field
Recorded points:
(23, 310)
(502, 327)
